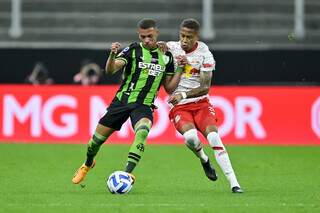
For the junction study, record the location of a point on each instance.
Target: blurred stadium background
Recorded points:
(254, 41)
(267, 92)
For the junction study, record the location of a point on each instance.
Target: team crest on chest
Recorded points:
(166, 59)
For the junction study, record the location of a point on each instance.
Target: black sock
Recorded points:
(89, 160)
(130, 166)
(93, 147)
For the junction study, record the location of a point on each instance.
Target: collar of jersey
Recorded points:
(153, 50)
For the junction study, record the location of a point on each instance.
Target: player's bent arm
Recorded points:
(171, 82)
(203, 89)
(113, 65)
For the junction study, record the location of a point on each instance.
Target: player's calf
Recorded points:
(193, 143)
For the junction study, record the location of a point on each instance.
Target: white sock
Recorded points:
(222, 158)
(192, 141)
(200, 153)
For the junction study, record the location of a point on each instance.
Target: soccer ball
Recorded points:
(119, 182)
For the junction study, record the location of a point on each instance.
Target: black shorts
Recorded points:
(118, 113)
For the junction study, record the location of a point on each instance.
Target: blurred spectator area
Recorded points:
(95, 23)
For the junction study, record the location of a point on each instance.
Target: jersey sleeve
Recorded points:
(170, 65)
(208, 64)
(125, 54)
(170, 45)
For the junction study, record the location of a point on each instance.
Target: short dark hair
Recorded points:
(146, 23)
(191, 24)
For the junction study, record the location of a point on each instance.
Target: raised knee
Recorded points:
(214, 140)
(142, 130)
(191, 138)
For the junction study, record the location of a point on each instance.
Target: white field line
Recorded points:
(165, 205)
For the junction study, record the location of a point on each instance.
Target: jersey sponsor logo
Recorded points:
(190, 71)
(153, 69)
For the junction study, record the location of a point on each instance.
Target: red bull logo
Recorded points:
(190, 71)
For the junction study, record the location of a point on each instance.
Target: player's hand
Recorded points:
(182, 60)
(175, 99)
(115, 48)
(162, 46)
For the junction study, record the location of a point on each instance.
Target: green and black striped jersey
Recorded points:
(143, 73)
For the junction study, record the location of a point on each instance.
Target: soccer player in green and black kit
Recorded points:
(145, 68)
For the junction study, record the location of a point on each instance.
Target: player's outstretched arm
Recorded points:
(113, 65)
(171, 82)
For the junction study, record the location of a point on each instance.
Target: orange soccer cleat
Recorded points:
(132, 177)
(82, 172)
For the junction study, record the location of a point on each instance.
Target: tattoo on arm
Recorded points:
(203, 89)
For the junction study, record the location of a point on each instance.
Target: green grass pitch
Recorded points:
(37, 178)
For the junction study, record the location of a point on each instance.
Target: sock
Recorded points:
(193, 143)
(200, 154)
(222, 158)
(93, 147)
(137, 148)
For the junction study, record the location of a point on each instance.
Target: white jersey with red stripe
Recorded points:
(199, 60)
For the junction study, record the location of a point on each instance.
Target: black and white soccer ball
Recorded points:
(119, 182)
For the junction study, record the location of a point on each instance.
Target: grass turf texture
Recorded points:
(37, 178)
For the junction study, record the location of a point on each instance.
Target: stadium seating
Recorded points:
(237, 23)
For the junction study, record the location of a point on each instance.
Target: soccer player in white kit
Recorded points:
(192, 111)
